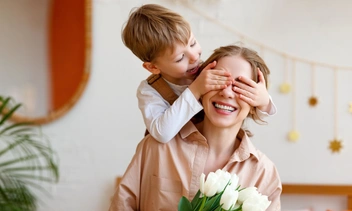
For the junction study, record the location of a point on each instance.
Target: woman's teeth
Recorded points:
(224, 107)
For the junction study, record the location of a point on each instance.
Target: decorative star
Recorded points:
(313, 101)
(293, 135)
(285, 88)
(335, 145)
(350, 108)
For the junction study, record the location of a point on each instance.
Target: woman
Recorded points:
(159, 174)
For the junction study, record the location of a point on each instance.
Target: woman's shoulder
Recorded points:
(264, 160)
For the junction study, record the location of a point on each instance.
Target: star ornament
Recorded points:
(335, 145)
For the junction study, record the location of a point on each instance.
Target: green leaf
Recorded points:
(9, 114)
(213, 203)
(184, 204)
(196, 201)
(218, 209)
(15, 126)
(26, 161)
(3, 103)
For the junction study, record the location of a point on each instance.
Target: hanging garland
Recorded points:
(293, 135)
(313, 100)
(285, 88)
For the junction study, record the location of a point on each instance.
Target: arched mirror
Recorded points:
(45, 53)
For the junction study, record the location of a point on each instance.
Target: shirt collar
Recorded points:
(246, 148)
(188, 129)
(243, 152)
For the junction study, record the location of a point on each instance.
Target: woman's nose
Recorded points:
(228, 92)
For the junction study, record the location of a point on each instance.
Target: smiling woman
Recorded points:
(45, 55)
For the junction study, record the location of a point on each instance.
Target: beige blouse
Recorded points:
(160, 174)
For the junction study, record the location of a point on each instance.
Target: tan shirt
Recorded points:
(159, 174)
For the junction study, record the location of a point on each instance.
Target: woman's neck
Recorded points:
(222, 143)
(221, 139)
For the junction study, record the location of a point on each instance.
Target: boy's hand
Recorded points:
(210, 79)
(255, 94)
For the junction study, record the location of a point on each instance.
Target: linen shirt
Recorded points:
(164, 121)
(160, 174)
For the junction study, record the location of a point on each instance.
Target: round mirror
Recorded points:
(45, 50)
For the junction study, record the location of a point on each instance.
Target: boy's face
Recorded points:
(223, 108)
(180, 66)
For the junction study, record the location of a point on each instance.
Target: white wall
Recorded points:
(97, 138)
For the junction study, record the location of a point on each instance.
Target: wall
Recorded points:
(97, 138)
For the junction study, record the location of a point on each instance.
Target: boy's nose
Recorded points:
(193, 57)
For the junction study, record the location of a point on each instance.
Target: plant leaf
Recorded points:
(196, 201)
(212, 203)
(184, 204)
(26, 161)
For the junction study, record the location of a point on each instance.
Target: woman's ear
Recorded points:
(151, 67)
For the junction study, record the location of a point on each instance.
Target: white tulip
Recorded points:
(223, 179)
(247, 193)
(229, 198)
(210, 186)
(234, 180)
(257, 202)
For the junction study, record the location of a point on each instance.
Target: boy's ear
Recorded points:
(151, 67)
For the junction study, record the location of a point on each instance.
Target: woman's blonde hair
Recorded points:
(152, 29)
(252, 58)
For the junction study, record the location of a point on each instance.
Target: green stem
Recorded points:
(203, 203)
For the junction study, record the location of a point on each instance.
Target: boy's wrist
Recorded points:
(265, 108)
(194, 91)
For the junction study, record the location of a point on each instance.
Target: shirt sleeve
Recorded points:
(162, 120)
(275, 196)
(127, 195)
(273, 188)
(272, 110)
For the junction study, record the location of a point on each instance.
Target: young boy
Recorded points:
(164, 42)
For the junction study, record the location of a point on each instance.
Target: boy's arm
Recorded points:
(162, 120)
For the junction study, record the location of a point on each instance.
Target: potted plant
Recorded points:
(27, 161)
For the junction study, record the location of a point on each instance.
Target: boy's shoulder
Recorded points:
(155, 83)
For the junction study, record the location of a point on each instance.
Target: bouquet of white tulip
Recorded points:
(221, 192)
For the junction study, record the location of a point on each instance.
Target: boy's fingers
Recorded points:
(246, 99)
(221, 78)
(242, 92)
(220, 82)
(242, 87)
(219, 72)
(210, 65)
(217, 87)
(261, 76)
(245, 80)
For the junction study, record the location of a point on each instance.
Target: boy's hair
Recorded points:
(251, 57)
(152, 29)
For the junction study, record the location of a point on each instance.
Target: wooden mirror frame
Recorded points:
(57, 113)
